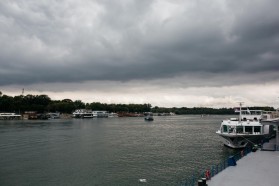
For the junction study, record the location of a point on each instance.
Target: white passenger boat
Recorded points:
(9, 116)
(100, 114)
(239, 132)
(82, 113)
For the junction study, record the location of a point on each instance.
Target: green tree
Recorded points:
(6, 103)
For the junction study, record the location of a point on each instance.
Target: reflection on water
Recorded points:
(108, 151)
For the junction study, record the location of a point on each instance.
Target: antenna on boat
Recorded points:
(240, 105)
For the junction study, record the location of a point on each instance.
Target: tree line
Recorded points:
(43, 103)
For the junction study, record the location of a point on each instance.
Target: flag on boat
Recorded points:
(248, 111)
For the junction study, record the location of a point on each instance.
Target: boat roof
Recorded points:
(242, 123)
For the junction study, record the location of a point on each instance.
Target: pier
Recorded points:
(251, 166)
(258, 168)
(275, 122)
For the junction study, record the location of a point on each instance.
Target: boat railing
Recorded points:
(209, 172)
(243, 133)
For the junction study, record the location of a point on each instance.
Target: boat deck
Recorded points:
(257, 168)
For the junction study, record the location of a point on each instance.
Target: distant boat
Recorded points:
(82, 113)
(148, 116)
(9, 116)
(100, 114)
(112, 115)
(85, 113)
(53, 115)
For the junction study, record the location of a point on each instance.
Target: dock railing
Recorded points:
(209, 172)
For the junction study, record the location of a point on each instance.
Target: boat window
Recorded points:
(257, 129)
(239, 129)
(225, 128)
(259, 113)
(249, 129)
(231, 129)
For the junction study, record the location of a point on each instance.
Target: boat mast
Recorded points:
(240, 114)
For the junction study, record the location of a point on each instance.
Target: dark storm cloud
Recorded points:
(69, 41)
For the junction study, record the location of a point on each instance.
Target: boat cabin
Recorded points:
(242, 129)
(247, 114)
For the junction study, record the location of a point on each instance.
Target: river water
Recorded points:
(108, 151)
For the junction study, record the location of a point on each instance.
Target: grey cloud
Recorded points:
(70, 41)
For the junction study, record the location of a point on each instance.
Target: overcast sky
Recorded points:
(170, 53)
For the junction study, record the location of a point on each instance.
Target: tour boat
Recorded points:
(82, 113)
(148, 116)
(7, 116)
(100, 114)
(244, 130)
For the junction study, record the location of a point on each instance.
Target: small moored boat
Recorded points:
(148, 116)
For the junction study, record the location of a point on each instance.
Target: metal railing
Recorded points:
(209, 172)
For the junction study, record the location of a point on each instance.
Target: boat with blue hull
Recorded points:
(148, 116)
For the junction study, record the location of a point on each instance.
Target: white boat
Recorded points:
(9, 116)
(148, 116)
(53, 115)
(244, 130)
(82, 113)
(100, 114)
(112, 115)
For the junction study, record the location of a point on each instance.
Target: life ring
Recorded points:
(207, 174)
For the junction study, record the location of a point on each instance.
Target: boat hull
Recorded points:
(148, 119)
(240, 141)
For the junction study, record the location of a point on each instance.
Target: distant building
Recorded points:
(30, 115)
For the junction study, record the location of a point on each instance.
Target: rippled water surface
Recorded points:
(108, 151)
